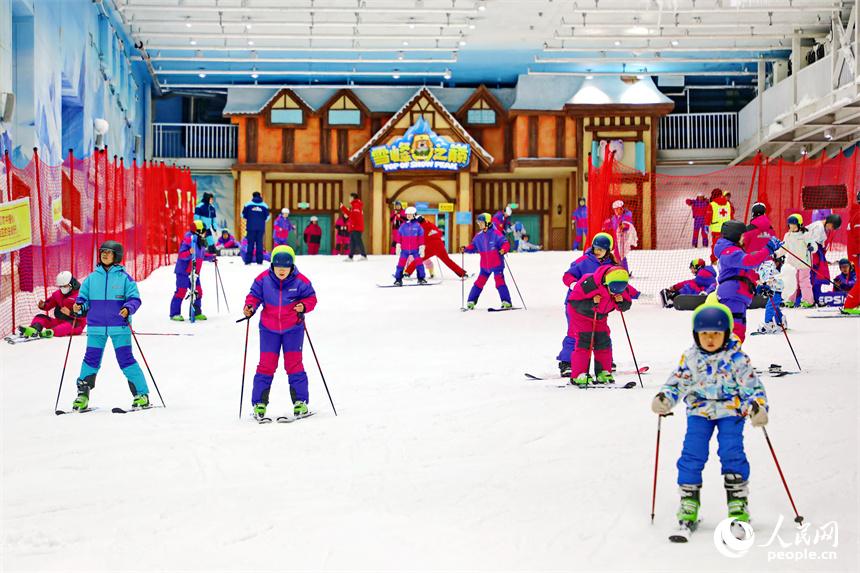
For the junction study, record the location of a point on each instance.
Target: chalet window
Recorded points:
(481, 116)
(344, 117)
(286, 112)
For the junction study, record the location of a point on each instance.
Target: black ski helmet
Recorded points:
(835, 219)
(758, 209)
(733, 230)
(114, 247)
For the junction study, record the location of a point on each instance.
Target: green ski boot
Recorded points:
(260, 413)
(470, 305)
(199, 317)
(47, 333)
(688, 513)
(177, 317)
(737, 491)
(506, 304)
(805, 304)
(849, 310)
(582, 380)
(83, 399)
(300, 409)
(788, 304)
(28, 331)
(140, 402)
(605, 377)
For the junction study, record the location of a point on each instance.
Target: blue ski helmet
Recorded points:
(796, 219)
(602, 241)
(844, 262)
(713, 317)
(283, 256)
(486, 218)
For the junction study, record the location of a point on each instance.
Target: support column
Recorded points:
(378, 203)
(464, 203)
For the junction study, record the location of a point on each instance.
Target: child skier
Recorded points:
(410, 242)
(283, 227)
(598, 255)
(580, 224)
(286, 295)
(847, 277)
(341, 241)
(590, 302)
(193, 243)
(736, 284)
(226, 240)
(820, 272)
(525, 246)
(798, 243)
(719, 385)
(313, 236)
(705, 276)
(775, 277)
(760, 230)
(62, 302)
(108, 297)
(492, 247)
(205, 213)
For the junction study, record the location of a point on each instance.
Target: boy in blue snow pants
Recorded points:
(109, 296)
(719, 385)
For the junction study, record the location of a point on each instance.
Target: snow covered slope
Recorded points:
(443, 456)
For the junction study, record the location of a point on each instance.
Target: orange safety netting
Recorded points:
(671, 214)
(77, 206)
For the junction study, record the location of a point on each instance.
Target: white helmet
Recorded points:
(618, 204)
(314, 219)
(411, 210)
(285, 211)
(508, 211)
(64, 278)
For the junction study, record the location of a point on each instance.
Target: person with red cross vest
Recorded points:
(720, 211)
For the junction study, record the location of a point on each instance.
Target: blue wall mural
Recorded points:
(67, 67)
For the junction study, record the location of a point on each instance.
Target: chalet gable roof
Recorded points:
(458, 128)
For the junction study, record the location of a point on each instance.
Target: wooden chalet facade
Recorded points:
(308, 148)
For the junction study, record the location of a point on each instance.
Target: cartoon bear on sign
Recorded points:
(422, 147)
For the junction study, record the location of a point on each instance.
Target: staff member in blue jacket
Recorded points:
(109, 296)
(256, 213)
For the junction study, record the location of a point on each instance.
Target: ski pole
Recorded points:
(305, 326)
(63, 375)
(221, 280)
(779, 315)
(217, 295)
(798, 518)
(656, 461)
(515, 282)
(810, 267)
(627, 332)
(463, 280)
(591, 346)
(162, 334)
(244, 362)
(145, 362)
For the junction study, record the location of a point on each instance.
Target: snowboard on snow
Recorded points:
(694, 301)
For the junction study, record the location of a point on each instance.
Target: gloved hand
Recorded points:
(248, 311)
(758, 416)
(765, 290)
(774, 244)
(397, 249)
(661, 404)
(421, 251)
(462, 249)
(810, 248)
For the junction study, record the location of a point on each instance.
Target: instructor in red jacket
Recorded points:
(434, 247)
(355, 227)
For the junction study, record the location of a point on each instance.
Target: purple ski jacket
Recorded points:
(410, 235)
(489, 244)
(737, 271)
(278, 298)
(183, 263)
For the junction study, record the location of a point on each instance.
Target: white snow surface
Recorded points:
(443, 457)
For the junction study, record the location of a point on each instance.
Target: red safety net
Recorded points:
(670, 215)
(77, 206)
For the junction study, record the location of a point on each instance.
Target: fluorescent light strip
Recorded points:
(305, 60)
(295, 73)
(261, 10)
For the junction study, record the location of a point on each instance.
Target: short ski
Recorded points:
(503, 309)
(626, 386)
(682, 534)
(428, 283)
(642, 370)
(776, 371)
(61, 412)
(130, 410)
(289, 420)
(21, 339)
(833, 315)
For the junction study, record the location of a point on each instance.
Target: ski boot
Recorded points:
(28, 331)
(47, 333)
(470, 305)
(140, 402)
(849, 310)
(506, 304)
(432, 274)
(422, 281)
(582, 380)
(605, 377)
(666, 297)
(398, 282)
(688, 513)
(177, 318)
(737, 491)
(805, 304)
(83, 399)
(300, 409)
(564, 369)
(200, 317)
(260, 412)
(787, 304)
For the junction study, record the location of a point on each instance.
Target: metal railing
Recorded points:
(195, 140)
(698, 131)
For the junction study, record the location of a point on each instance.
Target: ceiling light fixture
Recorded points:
(202, 75)
(405, 43)
(447, 74)
(482, 5)
(803, 150)
(828, 134)
(193, 43)
(589, 77)
(674, 42)
(471, 24)
(412, 23)
(187, 23)
(248, 26)
(399, 55)
(396, 75)
(255, 75)
(617, 42)
(250, 42)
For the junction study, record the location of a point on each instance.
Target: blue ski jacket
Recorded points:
(103, 294)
